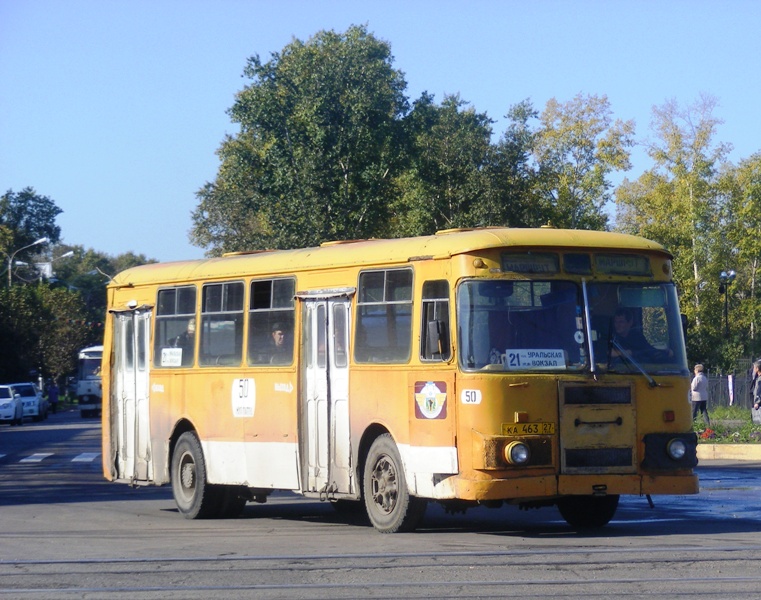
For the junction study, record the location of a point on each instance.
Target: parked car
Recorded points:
(11, 409)
(35, 406)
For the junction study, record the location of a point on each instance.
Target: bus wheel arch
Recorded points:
(390, 506)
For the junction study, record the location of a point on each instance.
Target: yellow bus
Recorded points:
(532, 367)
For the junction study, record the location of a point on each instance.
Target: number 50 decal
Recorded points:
(243, 397)
(470, 396)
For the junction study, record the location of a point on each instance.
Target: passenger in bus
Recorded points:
(282, 345)
(186, 341)
(631, 340)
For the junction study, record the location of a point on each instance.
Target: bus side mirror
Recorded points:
(684, 326)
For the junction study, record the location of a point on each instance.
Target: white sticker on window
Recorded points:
(243, 397)
(171, 357)
(534, 359)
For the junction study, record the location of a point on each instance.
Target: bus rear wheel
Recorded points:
(194, 496)
(388, 502)
(588, 512)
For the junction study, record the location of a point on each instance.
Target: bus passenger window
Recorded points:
(270, 322)
(434, 332)
(384, 317)
(222, 324)
(174, 338)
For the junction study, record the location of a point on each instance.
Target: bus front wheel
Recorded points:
(588, 512)
(389, 504)
(194, 496)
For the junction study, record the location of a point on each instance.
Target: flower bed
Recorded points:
(729, 425)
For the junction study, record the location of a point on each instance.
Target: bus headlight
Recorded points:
(676, 449)
(517, 453)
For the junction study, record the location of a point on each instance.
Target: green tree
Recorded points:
(516, 201)
(26, 217)
(679, 203)
(446, 183)
(576, 148)
(42, 328)
(66, 328)
(20, 331)
(742, 186)
(317, 148)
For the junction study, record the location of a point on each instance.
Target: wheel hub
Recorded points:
(188, 475)
(384, 485)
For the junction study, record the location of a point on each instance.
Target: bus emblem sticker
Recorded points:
(431, 400)
(244, 397)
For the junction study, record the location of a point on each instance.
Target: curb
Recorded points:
(729, 451)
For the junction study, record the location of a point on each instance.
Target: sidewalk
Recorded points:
(729, 452)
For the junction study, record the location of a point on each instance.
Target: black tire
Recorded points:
(389, 505)
(588, 512)
(194, 496)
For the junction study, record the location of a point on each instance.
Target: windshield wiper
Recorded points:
(651, 382)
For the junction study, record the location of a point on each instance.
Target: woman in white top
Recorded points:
(699, 396)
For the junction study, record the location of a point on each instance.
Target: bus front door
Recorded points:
(324, 429)
(130, 419)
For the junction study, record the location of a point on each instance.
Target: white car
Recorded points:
(35, 406)
(11, 409)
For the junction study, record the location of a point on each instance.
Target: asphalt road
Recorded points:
(67, 533)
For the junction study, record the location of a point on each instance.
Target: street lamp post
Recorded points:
(13, 254)
(46, 268)
(726, 278)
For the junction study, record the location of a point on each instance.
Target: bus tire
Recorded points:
(194, 496)
(588, 512)
(389, 505)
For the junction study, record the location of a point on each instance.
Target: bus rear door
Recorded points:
(130, 417)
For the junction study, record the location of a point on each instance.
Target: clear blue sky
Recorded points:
(115, 108)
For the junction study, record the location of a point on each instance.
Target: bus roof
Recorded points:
(91, 349)
(444, 244)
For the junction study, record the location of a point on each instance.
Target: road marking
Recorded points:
(86, 457)
(39, 457)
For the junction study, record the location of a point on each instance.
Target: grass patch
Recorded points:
(729, 425)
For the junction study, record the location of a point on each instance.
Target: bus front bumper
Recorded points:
(551, 486)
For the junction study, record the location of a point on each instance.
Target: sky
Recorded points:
(114, 109)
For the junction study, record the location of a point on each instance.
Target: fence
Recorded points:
(718, 390)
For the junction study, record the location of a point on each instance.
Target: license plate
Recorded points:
(528, 428)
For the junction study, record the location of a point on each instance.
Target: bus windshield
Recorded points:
(635, 327)
(533, 325)
(89, 368)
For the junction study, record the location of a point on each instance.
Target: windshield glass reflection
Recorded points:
(508, 325)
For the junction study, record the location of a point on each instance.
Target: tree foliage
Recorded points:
(45, 321)
(686, 185)
(576, 148)
(446, 181)
(26, 217)
(317, 147)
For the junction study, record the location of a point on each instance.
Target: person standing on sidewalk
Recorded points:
(756, 411)
(699, 396)
(53, 396)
